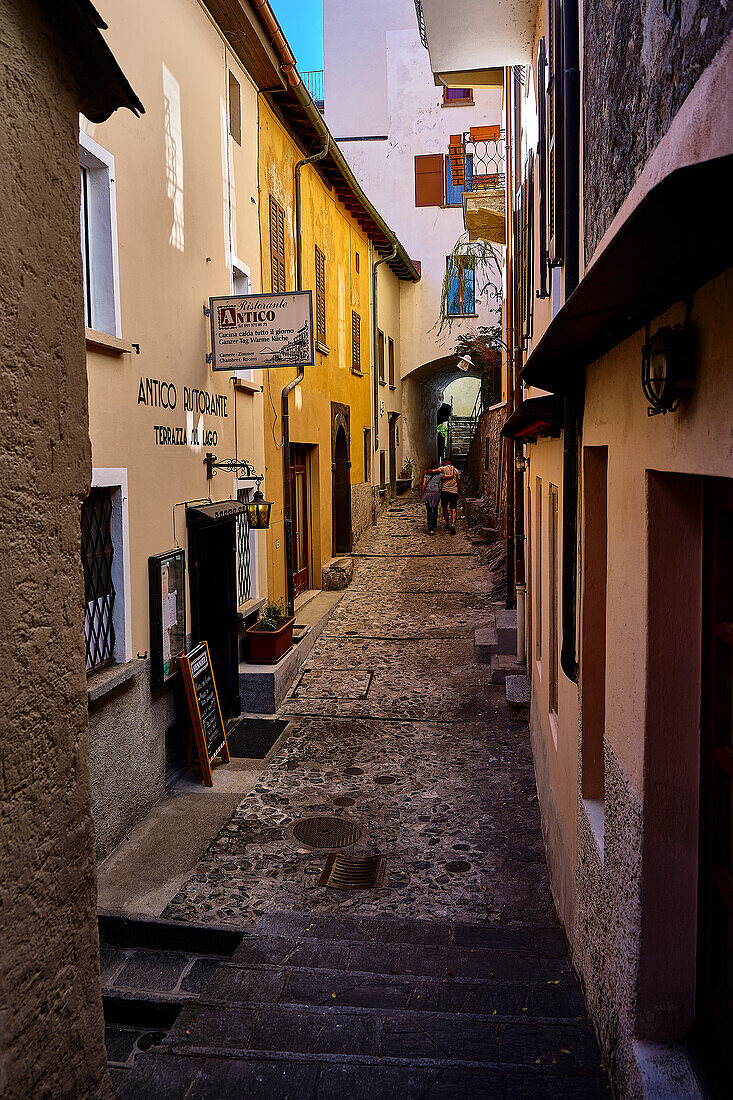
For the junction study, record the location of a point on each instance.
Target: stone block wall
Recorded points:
(362, 510)
(51, 1023)
(641, 59)
(482, 466)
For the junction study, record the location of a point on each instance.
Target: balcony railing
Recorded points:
(313, 81)
(477, 159)
(421, 23)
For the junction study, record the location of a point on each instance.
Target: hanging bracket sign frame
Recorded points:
(262, 330)
(204, 708)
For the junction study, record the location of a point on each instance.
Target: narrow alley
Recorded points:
(451, 977)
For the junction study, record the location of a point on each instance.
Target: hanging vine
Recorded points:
(487, 277)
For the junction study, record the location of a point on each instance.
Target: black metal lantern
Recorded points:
(259, 511)
(666, 369)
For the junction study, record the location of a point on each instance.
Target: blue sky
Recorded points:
(302, 21)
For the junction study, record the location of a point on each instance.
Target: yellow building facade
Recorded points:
(340, 466)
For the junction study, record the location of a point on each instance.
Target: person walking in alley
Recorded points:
(431, 483)
(449, 490)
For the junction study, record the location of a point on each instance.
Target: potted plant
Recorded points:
(271, 636)
(404, 480)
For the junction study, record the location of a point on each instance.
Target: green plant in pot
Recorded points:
(271, 636)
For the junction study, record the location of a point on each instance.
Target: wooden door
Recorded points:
(714, 1017)
(392, 456)
(299, 505)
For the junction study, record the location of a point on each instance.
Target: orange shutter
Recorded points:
(355, 342)
(429, 180)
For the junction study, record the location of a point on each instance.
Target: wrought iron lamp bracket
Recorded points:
(238, 466)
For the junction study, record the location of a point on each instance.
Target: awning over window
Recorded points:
(215, 512)
(535, 417)
(653, 261)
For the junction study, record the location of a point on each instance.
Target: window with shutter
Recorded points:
(543, 291)
(528, 248)
(380, 352)
(320, 297)
(555, 195)
(391, 363)
(429, 180)
(461, 286)
(355, 342)
(277, 247)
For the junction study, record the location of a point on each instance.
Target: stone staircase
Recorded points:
(496, 644)
(461, 435)
(335, 1007)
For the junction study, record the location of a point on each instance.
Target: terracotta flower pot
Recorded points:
(266, 647)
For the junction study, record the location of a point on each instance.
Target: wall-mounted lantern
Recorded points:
(259, 511)
(666, 368)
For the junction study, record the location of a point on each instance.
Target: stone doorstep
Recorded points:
(337, 573)
(504, 664)
(518, 695)
(506, 629)
(486, 643)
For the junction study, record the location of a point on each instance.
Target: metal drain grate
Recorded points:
(326, 832)
(347, 873)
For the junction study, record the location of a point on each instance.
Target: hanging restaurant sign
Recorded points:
(262, 330)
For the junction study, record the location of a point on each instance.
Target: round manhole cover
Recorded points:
(354, 771)
(383, 780)
(344, 801)
(326, 832)
(458, 865)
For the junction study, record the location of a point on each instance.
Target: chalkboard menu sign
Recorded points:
(203, 703)
(167, 574)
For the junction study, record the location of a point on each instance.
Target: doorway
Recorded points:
(213, 580)
(393, 454)
(714, 1009)
(299, 505)
(341, 495)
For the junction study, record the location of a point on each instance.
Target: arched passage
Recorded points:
(422, 397)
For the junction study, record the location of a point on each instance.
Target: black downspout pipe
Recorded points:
(573, 401)
(285, 411)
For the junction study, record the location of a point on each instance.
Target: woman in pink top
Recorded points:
(449, 490)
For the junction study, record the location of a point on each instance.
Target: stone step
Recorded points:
(547, 941)
(486, 643)
(518, 695)
(506, 629)
(149, 974)
(294, 985)
(402, 1037)
(506, 664)
(281, 1076)
(478, 963)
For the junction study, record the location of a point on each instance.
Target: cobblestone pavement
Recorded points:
(393, 712)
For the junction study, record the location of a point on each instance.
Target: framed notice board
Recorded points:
(167, 576)
(203, 704)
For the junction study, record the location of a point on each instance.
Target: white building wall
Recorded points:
(378, 84)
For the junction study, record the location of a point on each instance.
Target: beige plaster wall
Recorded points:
(186, 198)
(51, 1026)
(388, 301)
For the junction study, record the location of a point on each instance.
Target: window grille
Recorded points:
(97, 553)
(244, 575)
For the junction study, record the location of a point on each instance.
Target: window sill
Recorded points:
(323, 348)
(358, 373)
(102, 341)
(249, 608)
(247, 385)
(457, 316)
(382, 382)
(392, 387)
(105, 680)
(459, 103)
